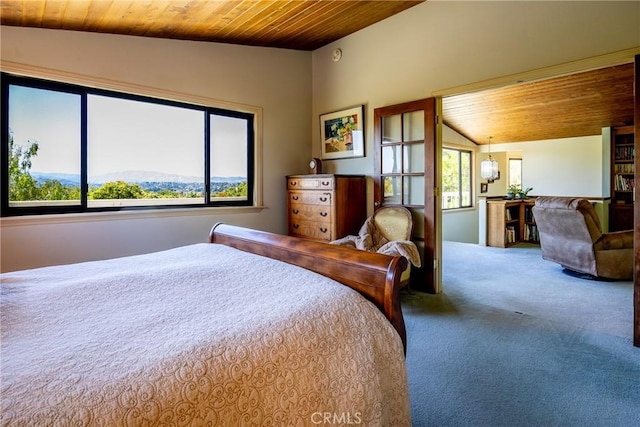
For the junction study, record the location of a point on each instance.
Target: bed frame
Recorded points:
(375, 276)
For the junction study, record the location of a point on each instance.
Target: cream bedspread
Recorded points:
(203, 334)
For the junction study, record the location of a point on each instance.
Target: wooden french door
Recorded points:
(405, 175)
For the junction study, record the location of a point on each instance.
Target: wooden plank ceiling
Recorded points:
(290, 24)
(574, 105)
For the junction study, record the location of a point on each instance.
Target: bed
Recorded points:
(230, 332)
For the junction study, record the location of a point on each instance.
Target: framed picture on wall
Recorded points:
(342, 133)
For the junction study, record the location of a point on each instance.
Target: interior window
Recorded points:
(515, 172)
(456, 178)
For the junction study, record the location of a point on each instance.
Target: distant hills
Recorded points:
(139, 177)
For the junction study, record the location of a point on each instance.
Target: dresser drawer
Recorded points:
(301, 212)
(311, 229)
(310, 198)
(315, 183)
(325, 207)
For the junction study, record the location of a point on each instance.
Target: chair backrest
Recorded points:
(394, 222)
(572, 216)
(568, 228)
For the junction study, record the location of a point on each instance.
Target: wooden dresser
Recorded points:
(326, 207)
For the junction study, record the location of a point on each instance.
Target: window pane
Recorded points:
(143, 153)
(392, 190)
(450, 179)
(413, 190)
(228, 158)
(413, 125)
(413, 158)
(392, 129)
(44, 147)
(456, 178)
(515, 172)
(391, 159)
(465, 178)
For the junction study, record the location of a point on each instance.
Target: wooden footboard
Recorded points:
(376, 276)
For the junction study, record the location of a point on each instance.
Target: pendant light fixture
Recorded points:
(489, 167)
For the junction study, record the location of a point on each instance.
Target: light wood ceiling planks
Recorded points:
(290, 24)
(568, 106)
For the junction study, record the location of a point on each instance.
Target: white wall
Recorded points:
(556, 167)
(564, 167)
(276, 80)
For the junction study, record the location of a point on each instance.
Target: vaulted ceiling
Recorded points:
(291, 24)
(573, 105)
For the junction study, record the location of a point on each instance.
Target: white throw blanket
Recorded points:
(371, 240)
(199, 335)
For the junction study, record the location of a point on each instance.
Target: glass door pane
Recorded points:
(413, 190)
(392, 129)
(413, 126)
(391, 159)
(413, 160)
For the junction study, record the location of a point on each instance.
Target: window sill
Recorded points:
(17, 221)
(457, 210)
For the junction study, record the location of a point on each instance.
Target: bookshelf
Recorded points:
(529, 228)
(510, 222)
(622, 179)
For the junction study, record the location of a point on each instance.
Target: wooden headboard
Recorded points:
(375, 276)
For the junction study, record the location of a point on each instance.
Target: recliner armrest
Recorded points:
(614, 240)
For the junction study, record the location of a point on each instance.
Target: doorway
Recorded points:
(625, 58)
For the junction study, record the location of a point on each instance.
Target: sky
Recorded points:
(123, 135)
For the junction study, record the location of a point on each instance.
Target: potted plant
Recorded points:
(512, 190)
(515, 191)
(522, 194)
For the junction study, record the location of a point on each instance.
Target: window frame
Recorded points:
(204, 105)
(514, 159)
(471, 154)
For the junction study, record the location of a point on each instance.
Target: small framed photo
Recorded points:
(342, 133)
(484, 187)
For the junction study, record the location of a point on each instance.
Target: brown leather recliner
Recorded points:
(571, 235)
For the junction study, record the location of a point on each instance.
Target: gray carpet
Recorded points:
(514, 341)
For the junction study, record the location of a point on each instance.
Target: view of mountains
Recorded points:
(131, 176)
(150, 181)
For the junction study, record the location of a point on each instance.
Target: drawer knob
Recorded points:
(295, 197)
(323, 199)
(296, 226)
(295, 211)
(326, 183)
(294, 183)
(324, 230)
(323, 214)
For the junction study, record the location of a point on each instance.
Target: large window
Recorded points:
(68, 148)
(456, 178)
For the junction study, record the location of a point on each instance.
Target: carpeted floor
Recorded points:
(514, 341)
